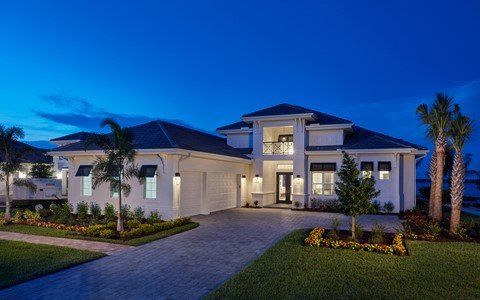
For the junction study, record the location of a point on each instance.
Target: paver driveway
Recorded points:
(187, 265)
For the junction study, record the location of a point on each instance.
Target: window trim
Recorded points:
(332, 185)
(155, 177)
(82, 186)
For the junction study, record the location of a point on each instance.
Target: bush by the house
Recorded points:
(378, 234)
(95, 211)
(154, 216)
(133, 223)
(82, 211)
(324, 205)
(138, 213)
(125, 212)
(388, 207)
(316, 239)
(110, 213)
(376, 206)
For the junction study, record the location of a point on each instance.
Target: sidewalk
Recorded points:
(106, 248)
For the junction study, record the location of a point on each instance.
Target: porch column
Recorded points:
(299, 185)
(257, 181)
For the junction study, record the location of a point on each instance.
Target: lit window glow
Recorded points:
(323, 183)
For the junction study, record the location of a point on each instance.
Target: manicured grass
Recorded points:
(291, 270)
(73, 235)
(21, 261)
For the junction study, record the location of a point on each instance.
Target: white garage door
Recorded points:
(190, 194)
(222, 190)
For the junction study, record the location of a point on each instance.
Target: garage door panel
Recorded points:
(190, 194)
(221, 191)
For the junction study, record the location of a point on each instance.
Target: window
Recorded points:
(323, 183)
(285, 137)
(384, 168)
(323, 174)
(367, 169)
(151, 187)
(87, 185)
(149, 172)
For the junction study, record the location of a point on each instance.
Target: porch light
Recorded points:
(176, 178)
(256, 179)
(298, 176)
(59, 175)
(243, 176)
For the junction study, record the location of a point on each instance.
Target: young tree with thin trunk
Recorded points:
(117, 166)
(460, 132)
(12, 153)
(438, 119)
(354, 193)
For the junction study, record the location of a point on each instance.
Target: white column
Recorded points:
(299, 170)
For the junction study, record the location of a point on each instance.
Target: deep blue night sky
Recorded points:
(65, 65)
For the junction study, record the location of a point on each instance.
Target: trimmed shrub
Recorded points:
(82, 211)
(95, 210)
(94, 230)
(31, 215)
(133, 223)
(378, 234)
(125, 211)
(45, 214)
(376, 207)
(107, 233)
(154, 216)
(388, 207)
(138, 213)
(110, 212)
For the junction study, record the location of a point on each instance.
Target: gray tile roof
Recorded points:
(362, 138)
(289, 109)
(31, 154)
(81, 136)
(164, 135)
(236, 125)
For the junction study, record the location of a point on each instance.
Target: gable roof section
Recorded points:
(81, 136)
(362, 138)
(165, 135)
(31, 155)
(288, 109)
(236, 125)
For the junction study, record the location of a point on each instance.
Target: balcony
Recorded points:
(277, 148)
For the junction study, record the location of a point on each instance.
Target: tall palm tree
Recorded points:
(424, 114)
(438, 119)
(460, 132)
(117, 166)
(12, 153)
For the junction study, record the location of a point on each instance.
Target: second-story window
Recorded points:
(285, 137)
(85, 172)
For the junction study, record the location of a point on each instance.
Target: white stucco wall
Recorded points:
(325, 137)
(240, 140)
(168, 198)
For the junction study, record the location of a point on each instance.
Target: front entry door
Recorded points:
(284, 187)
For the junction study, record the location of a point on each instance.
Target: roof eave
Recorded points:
(309, 116)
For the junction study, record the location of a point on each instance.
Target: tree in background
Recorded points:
(40, 170)
(460, 131)
(354, 193)
(12, 153)
(437, 118)
(117, 165)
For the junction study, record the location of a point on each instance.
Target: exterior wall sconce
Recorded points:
(176, 178)
(298, 176)
(243, 176)
(256, 179)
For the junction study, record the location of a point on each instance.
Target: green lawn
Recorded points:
(35, 230)
(290, 270)
(21, 261)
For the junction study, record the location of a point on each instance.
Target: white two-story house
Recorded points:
(282, 154)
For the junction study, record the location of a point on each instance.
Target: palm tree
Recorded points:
(12, 152)
(437, 118)
(460, 132)
(117, 166)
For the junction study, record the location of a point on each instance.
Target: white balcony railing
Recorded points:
(277, 148)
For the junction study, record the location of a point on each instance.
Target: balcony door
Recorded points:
(284, 187)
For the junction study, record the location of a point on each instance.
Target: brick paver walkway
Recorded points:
(184, 266)
(106, 248)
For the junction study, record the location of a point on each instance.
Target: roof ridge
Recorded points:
(193, 129)
(167, 135)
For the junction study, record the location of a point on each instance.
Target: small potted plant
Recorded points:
(255, 203)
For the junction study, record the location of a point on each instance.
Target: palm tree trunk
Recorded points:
(457, 190)
(7, 198)
(440, 146)
(432, 173)
(119, 212)
(353, 228)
